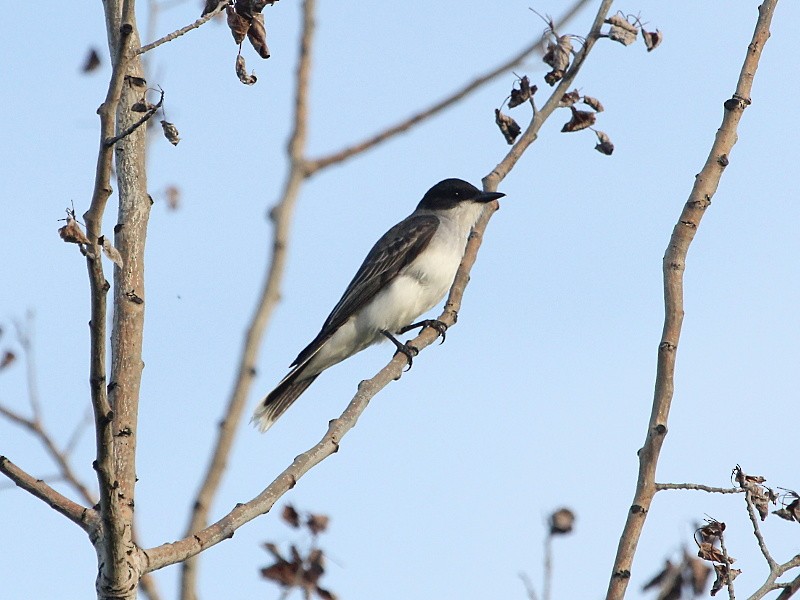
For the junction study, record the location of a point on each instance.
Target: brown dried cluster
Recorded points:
(707, 539)
(685, 579)
(297, 570)
(625, 29)
(245, 21)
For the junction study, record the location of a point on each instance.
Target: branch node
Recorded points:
(660, 429)
(623, 574)
(637, 509)
(723, 160)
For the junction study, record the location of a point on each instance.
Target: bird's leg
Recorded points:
(433, 323)
(407, 349)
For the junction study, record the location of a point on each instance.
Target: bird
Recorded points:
(405, 274)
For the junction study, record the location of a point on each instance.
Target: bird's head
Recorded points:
(452, 192)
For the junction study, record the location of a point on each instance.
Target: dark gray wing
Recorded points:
(396, 249)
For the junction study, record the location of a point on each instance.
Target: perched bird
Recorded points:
(407, 272)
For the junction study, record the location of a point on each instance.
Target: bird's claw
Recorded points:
(407, 350)
(436, 324)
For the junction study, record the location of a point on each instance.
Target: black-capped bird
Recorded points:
(407, 272)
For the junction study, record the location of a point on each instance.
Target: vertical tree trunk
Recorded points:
(119, 561)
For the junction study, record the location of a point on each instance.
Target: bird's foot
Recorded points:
(407, 349)
(432, 323)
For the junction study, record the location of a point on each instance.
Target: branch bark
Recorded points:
(674, 264)
(86, 518)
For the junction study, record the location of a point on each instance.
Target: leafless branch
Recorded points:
(179, 32)
(673, 267)
(86, 518)
(790, 589)
(193, 544)
(762, 544)
(529, 589)
(142, 120)
(726, 557)
(281, 216)
(58, 456)
(659, 487)
(314, 165)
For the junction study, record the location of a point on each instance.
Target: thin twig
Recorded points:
(726, 557)
(179, 32)
(659, 487)
(674, 263)
(529, 589)
(314, 165)
(762, 544)
(547, 575)
(144, 118)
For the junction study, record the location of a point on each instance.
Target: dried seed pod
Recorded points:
(554, 76)
(562, 521)
(581, 119)
(291, 516)
(317, 523)
(8, 358)
(523, 94)
(569, 99)
(594, 103)
(724, 574)
(92, 61)
(241, 72)
(72, 232)
(110, 251)
(257, 34)
(558, 53)
(652, 39)
(604, 145)
(209, 7)
(621, 30)
(238, 25)
(142, 106)
(170, 132)
(508, 126)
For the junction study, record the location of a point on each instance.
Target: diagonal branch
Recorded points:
(179, 32)
(85, 518)
(281, 216)
(314, 165)
(674, 263)
(224, 528)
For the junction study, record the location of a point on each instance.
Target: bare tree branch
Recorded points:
(314, 165)
(141, 121)
(673, 267)
(57, 455)
(726, 557)
(281, 216)
(179, 32)
(86, 518)
(659, 487)
(790, 589)
(193, 544)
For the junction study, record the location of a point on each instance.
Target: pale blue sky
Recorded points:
(539, 397)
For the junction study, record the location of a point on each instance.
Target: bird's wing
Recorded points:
(396, 249)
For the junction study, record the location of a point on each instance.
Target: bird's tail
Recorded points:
(281, 398)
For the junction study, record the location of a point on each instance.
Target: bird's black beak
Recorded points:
(488, 196)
